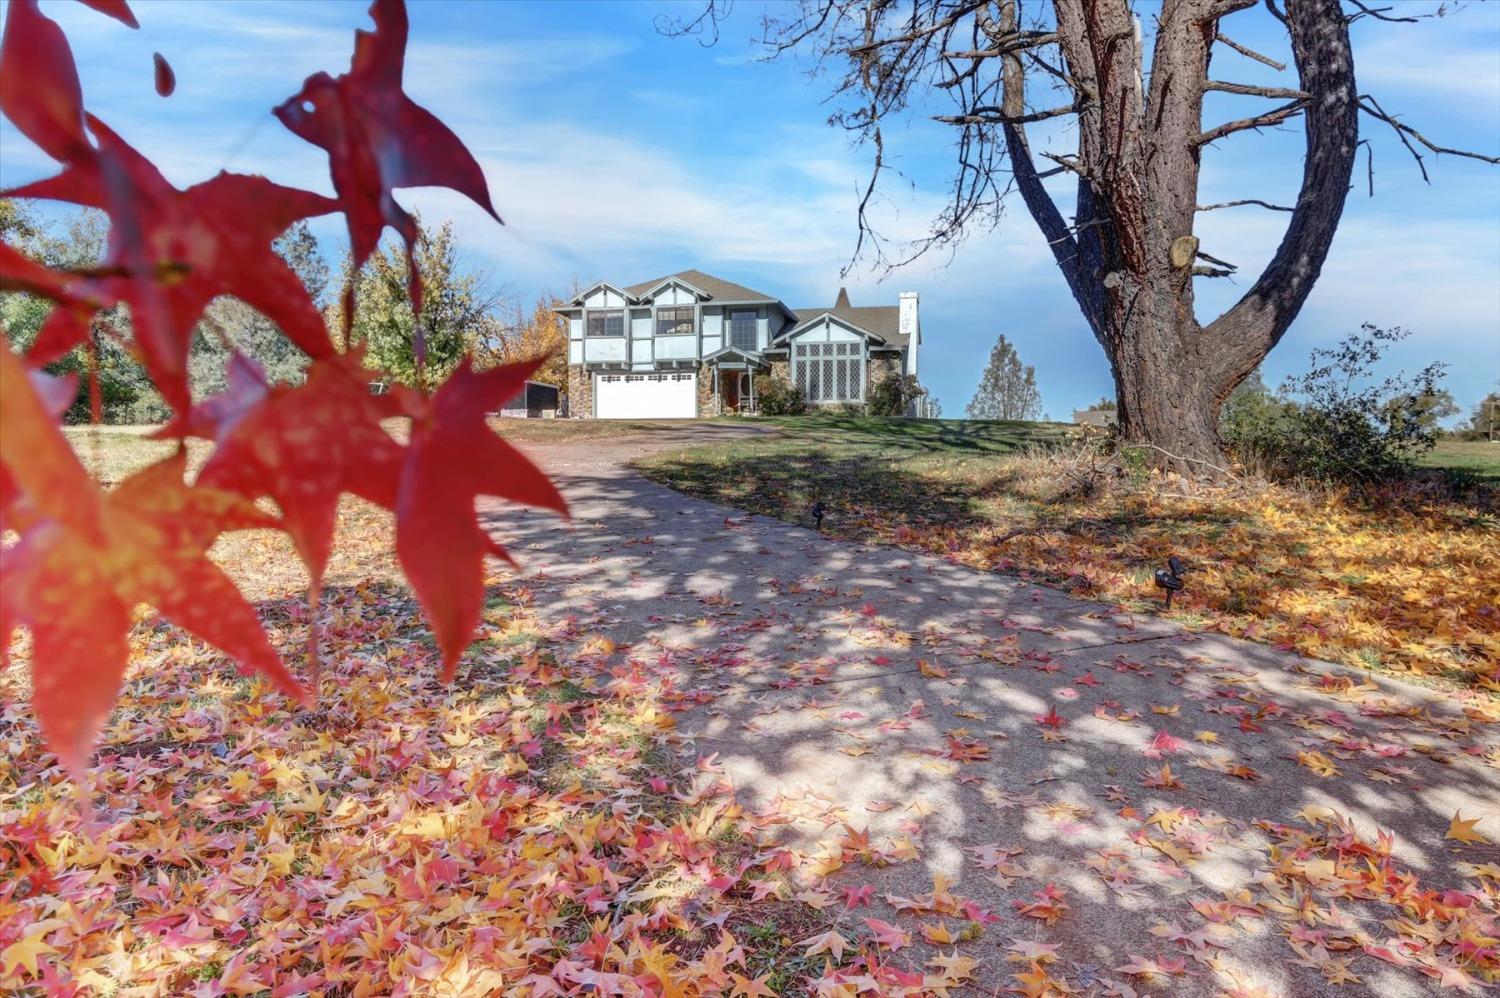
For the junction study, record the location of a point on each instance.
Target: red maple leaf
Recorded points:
(455, 457)
(39, 90)
(1163, 744)
(84, 559)
(302, 446)
(117, 9)
(378, 139)
(171, 252)
(1051, 719)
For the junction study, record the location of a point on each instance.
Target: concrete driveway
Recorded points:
(989, 756)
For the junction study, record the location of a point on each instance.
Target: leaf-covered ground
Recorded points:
(1038, 794)
(1403, 582)
(524, 830)
(562, 819)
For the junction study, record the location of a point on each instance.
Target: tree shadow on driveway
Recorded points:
(960, 741)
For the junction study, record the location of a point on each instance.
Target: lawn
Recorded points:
(1404, 581)
(1476, 457)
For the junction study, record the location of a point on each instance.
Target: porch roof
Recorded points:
(733, 358)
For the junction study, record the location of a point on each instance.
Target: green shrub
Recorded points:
(893, 395)
(1336, 423)
(779, 397)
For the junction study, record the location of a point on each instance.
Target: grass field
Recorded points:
(1477, 457)
(1400, 581)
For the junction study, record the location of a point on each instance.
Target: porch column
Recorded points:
(752, 389)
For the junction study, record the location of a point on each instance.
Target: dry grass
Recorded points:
(1404, 580)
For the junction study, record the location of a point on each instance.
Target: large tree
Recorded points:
(458, 310)
(1128, 253)
(1007, 389)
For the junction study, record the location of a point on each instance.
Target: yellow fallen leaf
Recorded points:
(1462, 830)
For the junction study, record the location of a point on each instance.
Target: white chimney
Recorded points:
(910, 328)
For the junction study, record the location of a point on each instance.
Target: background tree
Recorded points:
(233, 325)
(126, 393)
(457, 311)
(1484, 419)
(1136, 88)
(538, 333)
(1427, 410)
(1007, 389)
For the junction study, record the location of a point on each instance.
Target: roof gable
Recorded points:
(708, 284)
(667, 282)
(622, 292)
(880, 323)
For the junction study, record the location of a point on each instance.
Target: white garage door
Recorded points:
(646, 396)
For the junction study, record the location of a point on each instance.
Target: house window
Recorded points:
(674, 321)
(829, 372)
(606, 323)
(742, 330)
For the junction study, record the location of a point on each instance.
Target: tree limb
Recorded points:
(1243, 335)
(1245, 201)
(1275, 117)
(1249, 53)
(989, 115)
(1374, 110)
(1251, 90)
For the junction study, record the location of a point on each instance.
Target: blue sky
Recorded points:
(615, 152)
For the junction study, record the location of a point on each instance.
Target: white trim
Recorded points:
(831, 317)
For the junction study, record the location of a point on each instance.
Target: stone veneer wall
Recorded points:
(781, 369)
(580, 393)
(708, 403)
(881, 368)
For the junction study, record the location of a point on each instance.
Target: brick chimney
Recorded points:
(843, 301)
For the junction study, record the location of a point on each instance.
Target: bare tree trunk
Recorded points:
(1130, 255)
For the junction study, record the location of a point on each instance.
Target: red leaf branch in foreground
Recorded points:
(178, 250)
(454, 458)
(86, 558)
(378, 139)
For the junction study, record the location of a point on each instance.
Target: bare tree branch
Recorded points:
(1249, 53)
(1379, 13)
(1275, 117)
(994, 116)
(1372, 107)
(1251, 90)
(1244, 201)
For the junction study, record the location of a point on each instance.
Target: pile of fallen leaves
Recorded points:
(1402, 583)
(530, 828)
(522, 828)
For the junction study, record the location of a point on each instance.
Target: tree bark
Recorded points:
(1129, 256)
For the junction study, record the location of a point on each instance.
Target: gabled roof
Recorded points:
(749, 355)
(707, 283)
(881, 321)
(581, 295)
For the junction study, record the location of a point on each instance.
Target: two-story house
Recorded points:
(690, 344)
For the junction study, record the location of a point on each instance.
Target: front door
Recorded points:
(729, 390)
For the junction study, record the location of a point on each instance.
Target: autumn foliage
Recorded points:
(85, 557)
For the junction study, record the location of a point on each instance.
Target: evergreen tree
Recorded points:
(1007, 390)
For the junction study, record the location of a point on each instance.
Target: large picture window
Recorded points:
(675, 321)
(829, 372)
(742, 330)
(606, 323)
